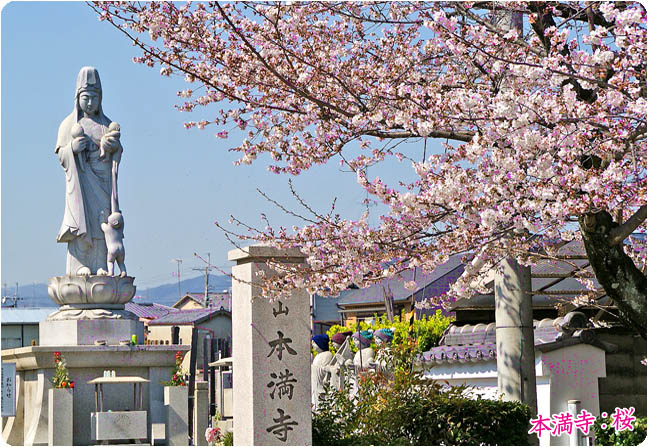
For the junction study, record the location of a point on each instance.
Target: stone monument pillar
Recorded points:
(271, 354)
(516, 378)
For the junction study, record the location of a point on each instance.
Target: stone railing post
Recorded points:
(201, 413)
(271, 354)
(60, 411)
(175, 401)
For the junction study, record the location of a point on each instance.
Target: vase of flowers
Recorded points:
(214, 436)
(61, 403)
(178, 375)
(61, 378)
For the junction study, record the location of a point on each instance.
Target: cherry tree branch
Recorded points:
(618, 234)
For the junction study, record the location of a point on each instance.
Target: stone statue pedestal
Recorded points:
(86, 332)
(91, 309)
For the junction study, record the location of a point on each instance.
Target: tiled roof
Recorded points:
(475, 343)
(25, 315)
(326, 309)
(149, 310)
(433, 284)
(190, 316)
(554, 289)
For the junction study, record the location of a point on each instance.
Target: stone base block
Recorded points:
(225, 426)
(175, 401)
(60, 411)
(114, 425)
(86, 332)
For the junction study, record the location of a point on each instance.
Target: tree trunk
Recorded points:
(623, 282)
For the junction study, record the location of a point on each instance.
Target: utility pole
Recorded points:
(179, 261)
(207, 269)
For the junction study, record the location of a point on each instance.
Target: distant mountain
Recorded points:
(35, 295)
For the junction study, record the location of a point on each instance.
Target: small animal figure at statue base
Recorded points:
(114, 232)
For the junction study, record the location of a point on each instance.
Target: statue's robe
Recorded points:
(319, 375)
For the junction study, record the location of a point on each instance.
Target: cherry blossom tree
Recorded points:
(542, 127)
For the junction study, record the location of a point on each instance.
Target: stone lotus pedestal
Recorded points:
(59, 430)
(92, 308)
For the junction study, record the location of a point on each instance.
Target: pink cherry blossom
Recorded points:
(537, 127)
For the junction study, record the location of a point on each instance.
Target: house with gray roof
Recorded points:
(364, 303)
(20, 325)
(177, 328)
(196, 300)
(555, 284)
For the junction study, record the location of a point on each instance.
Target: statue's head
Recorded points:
(338, 338)
(89, 102)
(320, 342)
(383, 336)
(88, 91)
(362, 339)
(116, 220)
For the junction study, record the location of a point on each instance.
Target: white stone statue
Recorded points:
(365, 355)
(338, 372)
(319, 372)
(363, 358)
(89, 150)
(383, 339)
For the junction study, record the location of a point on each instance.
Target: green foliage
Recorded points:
(427, 331)
(405, 408)
(178, 375)
(607, 435)
(228, 439)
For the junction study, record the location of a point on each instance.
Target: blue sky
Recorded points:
(173, 183)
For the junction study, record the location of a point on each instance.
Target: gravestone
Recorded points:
(271, 354)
